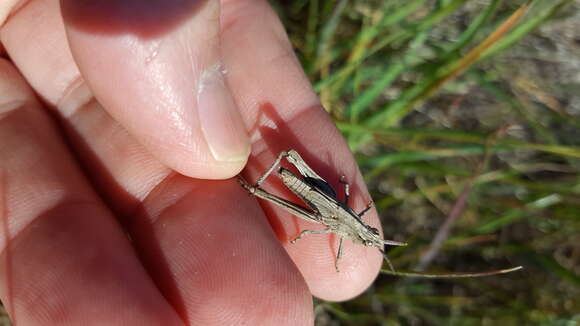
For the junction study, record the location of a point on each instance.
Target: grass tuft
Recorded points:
(464, 118)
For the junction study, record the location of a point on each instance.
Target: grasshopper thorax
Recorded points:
(363, 234)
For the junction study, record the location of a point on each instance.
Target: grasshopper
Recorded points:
(326, 209)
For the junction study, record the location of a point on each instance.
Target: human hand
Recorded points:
(142, 142)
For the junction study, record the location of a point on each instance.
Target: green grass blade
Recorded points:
(394, 112)
(554, 267)
(363, 101)
(528, 26)
(368, 35)
(471, 31)
(518, 213)
(459, 136)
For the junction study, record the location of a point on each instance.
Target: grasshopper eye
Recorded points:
(368, 243)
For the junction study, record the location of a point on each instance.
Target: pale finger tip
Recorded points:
(354, 277)
(209, 169)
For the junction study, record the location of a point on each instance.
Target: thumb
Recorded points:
(155, 67)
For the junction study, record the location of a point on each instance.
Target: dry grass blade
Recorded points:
(457, 210)
(474, 55)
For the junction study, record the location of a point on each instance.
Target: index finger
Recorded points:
(155, 66)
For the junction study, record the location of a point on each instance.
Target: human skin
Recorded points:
(119, 142)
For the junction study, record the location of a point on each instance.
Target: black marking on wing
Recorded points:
(321, 185)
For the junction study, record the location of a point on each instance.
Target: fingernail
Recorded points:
(221, 122)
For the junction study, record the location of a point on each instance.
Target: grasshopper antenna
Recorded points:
(392, 271)
(451, 275)
(394, 243)
(390, 243)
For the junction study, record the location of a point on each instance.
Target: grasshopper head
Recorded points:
(371, 237)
